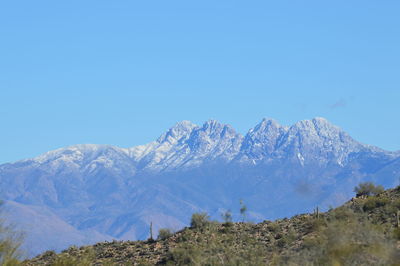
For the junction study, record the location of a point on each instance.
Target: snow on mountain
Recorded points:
(262, 140)
(116, 192)
(189, 145)
(317, 140)
(214, 140)
(186, 145)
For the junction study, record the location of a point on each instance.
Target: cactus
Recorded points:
(151, 231)
(316, 212)
(243, 210)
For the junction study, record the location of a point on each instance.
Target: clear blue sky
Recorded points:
(122, 72)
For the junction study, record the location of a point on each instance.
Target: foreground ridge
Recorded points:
(364, 230)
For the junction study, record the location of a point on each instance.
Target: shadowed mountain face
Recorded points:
(99, 192)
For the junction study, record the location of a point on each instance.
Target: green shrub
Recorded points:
(217, 249)
(314, 225)
(396, 203)
(227, 217)
(199, 220)
(164, 233)
(273, 227)
(311, 242)
(342, 213)
(75, 257)
(368, 189)
(344, 241)
(374, 202)
(286, 239)
(10, 242)
(396, 233)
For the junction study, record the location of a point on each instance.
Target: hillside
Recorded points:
(363, 231)
(90, 193)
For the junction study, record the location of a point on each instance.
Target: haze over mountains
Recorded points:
(87, 193)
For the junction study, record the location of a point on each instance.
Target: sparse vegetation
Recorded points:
(74, 257)
(364, 231)
(10, 242)
(227, 217)
(346, 239)
(374, 202)
(164, 233)
(367, 189)
(243, 210)
(199, 220)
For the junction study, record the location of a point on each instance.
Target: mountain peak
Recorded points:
(261, 140)
(212, 124)
(322, 122)
(214, 139)
(268, 120)
(74, 152)
(318, 139)
(266, 124)
(316, 124)
(179, 130)
(320, 119)
(184, 124)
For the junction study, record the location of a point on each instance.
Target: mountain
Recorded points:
(115, 192)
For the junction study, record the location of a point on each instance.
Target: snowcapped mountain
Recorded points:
(188, 145)
(102, 192)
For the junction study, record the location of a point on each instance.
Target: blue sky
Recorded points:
(122, 72)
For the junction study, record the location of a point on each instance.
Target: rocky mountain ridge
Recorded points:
(186, 145)
(116, 192)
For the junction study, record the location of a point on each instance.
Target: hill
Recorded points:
(363, 231)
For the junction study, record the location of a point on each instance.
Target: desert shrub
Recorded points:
(396, 203)
(313, 225)
(281, 242)
(10, 242)
(217, 249)
(345, 241)
(311, 242)
(140, 262)
(396, 233)
(184, 236)
(374, 202)
(227, 217)
(199, 220)
(287, 238)
(341, 213)
(9, 254)
(164, 233)
(368, 189)
(75, 257)
(184, 255)
(273, 227)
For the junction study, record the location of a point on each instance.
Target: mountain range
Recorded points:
(87, 193)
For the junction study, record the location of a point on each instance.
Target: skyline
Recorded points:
(123, 73)
(198, 125)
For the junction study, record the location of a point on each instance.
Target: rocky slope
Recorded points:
(364, 231)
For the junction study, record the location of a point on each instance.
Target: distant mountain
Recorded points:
(103, 192)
